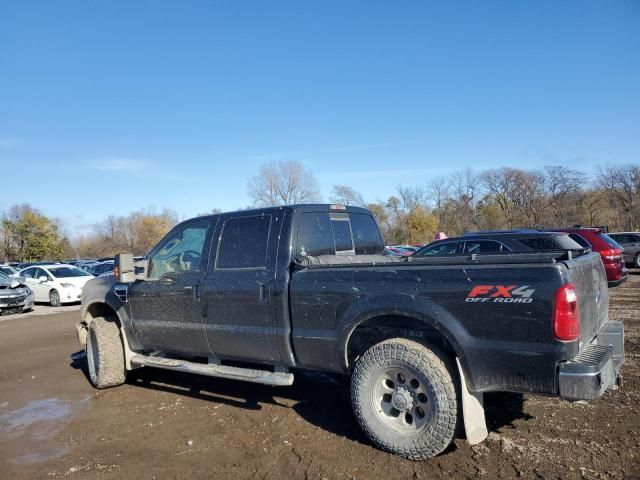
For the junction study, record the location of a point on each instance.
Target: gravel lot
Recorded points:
(53, 424)
(40, 309)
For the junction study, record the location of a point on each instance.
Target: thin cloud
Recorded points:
(120, 164)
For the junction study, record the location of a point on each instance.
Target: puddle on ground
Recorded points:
(49, 409)
(46, 417)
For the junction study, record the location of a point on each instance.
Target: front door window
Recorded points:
(179, 252)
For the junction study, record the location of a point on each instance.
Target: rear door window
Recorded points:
(539, 243)
(483, 246)
(624, 238)
(565, 242)
(243, 243)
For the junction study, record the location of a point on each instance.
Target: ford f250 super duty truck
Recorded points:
(256, 295)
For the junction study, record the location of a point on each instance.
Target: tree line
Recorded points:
(28, 235)
(490, 199)
(465, 200)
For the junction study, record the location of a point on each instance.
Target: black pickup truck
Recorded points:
(256, 295)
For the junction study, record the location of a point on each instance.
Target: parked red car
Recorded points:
(609, 250)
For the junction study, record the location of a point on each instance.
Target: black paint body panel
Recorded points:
(289, 316)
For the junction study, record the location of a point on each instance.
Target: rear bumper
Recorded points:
(596, 368)
(615, 283)
(616, 273)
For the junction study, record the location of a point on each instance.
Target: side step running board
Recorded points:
(223, 371)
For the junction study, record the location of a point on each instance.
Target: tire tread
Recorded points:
(437, 368)
(110, 371)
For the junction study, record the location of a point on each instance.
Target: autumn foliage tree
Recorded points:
(29, 235)
(136, 233)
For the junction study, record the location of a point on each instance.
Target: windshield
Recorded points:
(3, 276)
(7, 270)
(66, 272)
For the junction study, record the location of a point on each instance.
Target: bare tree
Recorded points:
(563, 186)
(464, 188)
(411, 197)
(345, 195)
(622, 185)
(593, 203)
(505, 186)
(438, 191)
(283, 183)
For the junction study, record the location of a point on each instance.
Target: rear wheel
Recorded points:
(105, 354)
(404, 398)
(54, 298)
(636, 261)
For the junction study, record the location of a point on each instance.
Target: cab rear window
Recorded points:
(321, 233)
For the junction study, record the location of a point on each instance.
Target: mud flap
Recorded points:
(475, 425)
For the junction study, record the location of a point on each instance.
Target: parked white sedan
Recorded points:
(56, 283)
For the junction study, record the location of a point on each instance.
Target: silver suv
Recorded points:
(631, 243)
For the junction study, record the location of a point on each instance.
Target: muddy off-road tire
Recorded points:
(404, 398)
(105, 354)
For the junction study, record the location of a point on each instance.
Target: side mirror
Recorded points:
(123, 268)
(300, 261)
(141, 268)
(43, 279)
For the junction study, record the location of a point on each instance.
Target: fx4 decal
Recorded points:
(500, 294)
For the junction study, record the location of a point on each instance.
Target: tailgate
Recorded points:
(589, 277)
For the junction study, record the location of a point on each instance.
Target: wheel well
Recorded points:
(101, 310)
(378, 329)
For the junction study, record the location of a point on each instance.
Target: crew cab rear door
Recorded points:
(241, 315)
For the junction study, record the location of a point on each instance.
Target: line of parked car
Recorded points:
(617, 250)
(53, 282)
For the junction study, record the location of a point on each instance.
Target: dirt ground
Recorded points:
(161, 424)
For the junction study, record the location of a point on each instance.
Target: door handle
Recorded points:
(263, 288)
(194, 289)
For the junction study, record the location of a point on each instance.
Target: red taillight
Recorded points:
(566, 314)
(611, 255)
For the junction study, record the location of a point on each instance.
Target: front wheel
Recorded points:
(54, 298)
(105, 354)
(636, 261)
(404, 398)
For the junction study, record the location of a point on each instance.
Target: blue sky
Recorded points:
(109, 107)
